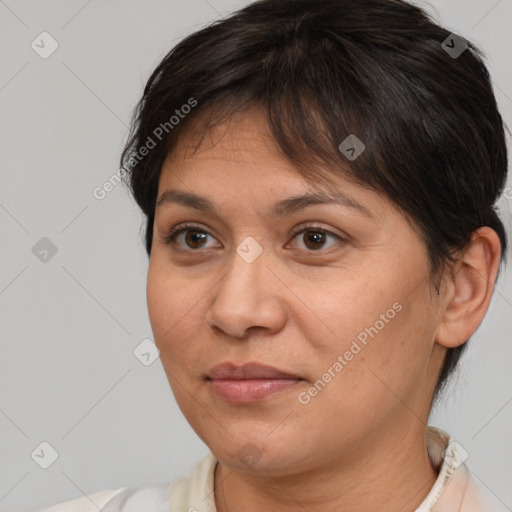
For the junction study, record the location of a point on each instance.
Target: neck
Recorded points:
(389, 474)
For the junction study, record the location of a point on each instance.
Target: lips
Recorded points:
(251, 382)
(227, 371)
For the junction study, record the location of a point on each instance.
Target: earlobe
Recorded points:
(469, 291)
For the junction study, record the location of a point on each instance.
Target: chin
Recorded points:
(256, 452)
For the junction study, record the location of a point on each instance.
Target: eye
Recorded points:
(316, 237)
(195, 236)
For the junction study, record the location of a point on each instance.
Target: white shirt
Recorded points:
(455, 489)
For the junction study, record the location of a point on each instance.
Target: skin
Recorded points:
(359, 444)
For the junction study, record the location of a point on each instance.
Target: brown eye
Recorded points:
(195, 239)
(190, 237)
(314, 238)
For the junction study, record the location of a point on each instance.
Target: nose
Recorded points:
(248, 296)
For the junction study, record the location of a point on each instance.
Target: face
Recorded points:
(336, 295)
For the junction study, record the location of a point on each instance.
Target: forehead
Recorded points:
(239, 162)
(236, 156)
(239, 148)
(242, 137)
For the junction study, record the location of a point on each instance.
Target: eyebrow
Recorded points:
(284, 207)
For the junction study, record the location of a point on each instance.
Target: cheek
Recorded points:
(370, 371)
(379, 324)
(354, 309)
(173, 306)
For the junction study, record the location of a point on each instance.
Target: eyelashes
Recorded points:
(318, 230)
(182, 228)
(174, 234)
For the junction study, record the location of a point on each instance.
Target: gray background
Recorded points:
(68, 374)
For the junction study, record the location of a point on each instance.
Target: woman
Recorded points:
(319, 181)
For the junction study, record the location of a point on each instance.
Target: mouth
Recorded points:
(250, 382)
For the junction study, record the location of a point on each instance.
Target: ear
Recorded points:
(468, 292)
